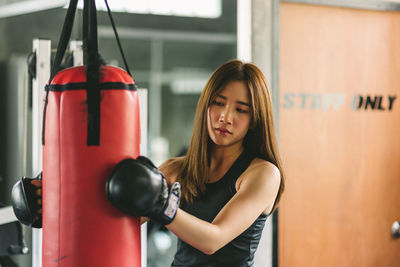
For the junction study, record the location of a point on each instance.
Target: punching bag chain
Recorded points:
(117, 37)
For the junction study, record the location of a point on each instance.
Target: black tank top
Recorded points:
(240, 251)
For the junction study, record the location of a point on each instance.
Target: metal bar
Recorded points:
(275, 99)
(7, 215)
(165, 35)
(244, 49)
(42, 48)
(356, 4)
(265, 41)
(26, 7)
(76, 48)
(275, 62)
(155, 101)
(142, 93)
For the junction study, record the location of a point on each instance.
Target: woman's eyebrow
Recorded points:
(243, 103)
(221, 96)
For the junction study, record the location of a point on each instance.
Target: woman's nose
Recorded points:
(225, 116)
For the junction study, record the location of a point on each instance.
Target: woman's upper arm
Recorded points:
(257, 192)
(169, 170)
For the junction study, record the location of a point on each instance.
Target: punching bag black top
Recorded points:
(91, 122)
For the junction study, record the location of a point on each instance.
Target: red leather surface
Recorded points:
(80, 227)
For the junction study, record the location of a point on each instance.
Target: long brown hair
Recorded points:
(193, 168)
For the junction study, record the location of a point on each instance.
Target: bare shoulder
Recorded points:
(170, 168)
(262, 165)
(261, 173)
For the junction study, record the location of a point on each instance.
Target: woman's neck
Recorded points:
(223, 157)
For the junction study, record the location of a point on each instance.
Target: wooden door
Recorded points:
(340, 136)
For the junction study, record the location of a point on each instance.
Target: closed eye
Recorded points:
(218, 103)
(242, 110)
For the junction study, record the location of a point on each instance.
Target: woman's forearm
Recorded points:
(200, 234)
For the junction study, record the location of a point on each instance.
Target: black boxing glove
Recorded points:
(25, 202)
(137, 188)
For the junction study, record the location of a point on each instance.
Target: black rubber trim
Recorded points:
(275, 245)
(83, 86)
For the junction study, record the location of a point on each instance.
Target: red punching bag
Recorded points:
(91, 122)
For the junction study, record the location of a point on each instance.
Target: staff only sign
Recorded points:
(337, 101)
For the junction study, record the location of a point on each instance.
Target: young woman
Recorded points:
(231, 176)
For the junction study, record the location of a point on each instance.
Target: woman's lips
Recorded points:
(223, 131)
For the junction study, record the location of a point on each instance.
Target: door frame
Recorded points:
(358, 4)
(376, 5)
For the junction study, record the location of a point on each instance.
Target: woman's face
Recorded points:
(228, 117)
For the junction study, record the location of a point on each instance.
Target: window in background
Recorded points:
(184, 8)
